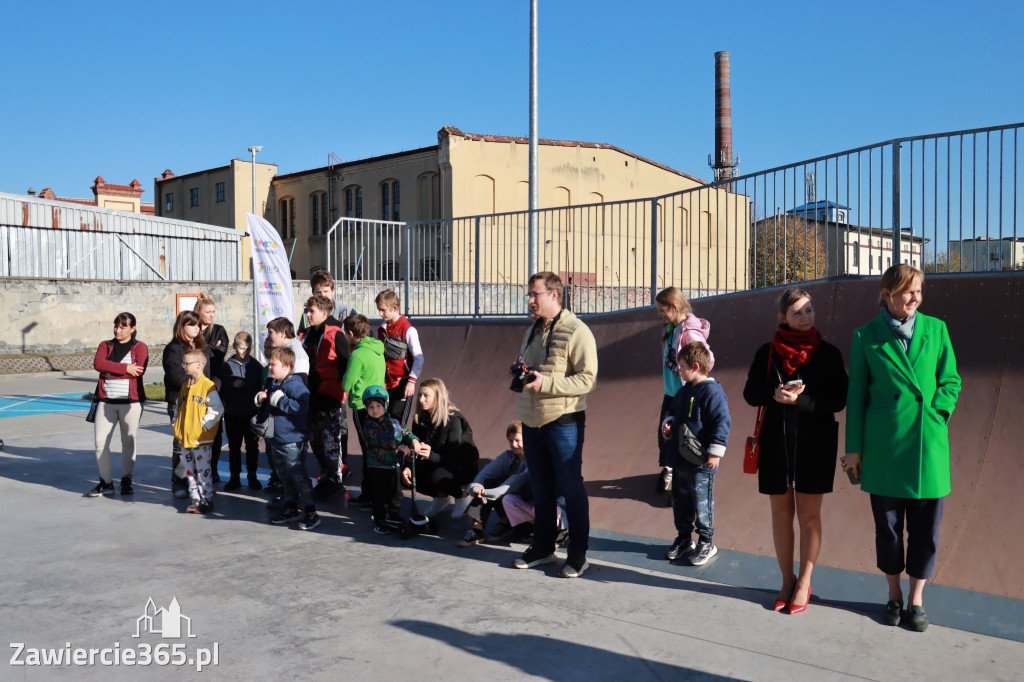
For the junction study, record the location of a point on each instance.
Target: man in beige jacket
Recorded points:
(561, 353)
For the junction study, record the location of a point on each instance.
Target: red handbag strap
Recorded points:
(761, 410)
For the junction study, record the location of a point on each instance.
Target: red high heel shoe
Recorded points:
(800, 608)
(781, 603)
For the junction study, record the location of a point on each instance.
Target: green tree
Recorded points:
(944, 262)
(787, 249)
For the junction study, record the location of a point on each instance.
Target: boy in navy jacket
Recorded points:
(287, 399)
(698, 425)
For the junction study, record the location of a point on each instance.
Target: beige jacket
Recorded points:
(566, 354)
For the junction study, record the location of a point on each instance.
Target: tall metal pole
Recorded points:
(254, 150)
(532, 265)
(255, 303)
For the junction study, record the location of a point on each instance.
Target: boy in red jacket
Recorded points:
(402, 353)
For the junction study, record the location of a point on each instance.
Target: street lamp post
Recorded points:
(254, 150)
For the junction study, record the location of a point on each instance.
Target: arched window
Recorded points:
(318, 214)
(286, 217)
(354, 202)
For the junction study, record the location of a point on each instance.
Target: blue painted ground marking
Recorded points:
(28, 405)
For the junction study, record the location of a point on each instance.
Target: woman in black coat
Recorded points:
(800, 381)
(216, 338)
(447, 459)
(187, 336)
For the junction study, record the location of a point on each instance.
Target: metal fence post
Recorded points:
(407, 258)
(654, 249)
(897, 147)
(476, 278)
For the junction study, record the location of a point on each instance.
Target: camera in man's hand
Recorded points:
(521, 375)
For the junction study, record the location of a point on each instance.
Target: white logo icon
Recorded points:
(164, 622)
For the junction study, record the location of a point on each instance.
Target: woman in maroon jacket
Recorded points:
(121, 363)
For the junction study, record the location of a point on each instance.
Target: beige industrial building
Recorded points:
(466, 175)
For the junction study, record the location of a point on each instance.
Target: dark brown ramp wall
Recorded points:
(980, 546)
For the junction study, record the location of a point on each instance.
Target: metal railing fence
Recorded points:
(950, 199)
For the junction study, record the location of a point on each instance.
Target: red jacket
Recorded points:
(140, 356)
(399, 368)
(328, 359)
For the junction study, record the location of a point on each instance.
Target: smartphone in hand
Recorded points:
(853, 476)
(790, 385)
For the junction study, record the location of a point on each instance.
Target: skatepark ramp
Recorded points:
(984, 515)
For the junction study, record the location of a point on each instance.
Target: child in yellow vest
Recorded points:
(198, 411)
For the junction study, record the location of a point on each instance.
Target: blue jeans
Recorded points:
(693, 500)
(554, 457)
(291, 469)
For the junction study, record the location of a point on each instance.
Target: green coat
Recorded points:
(365, 368)
(894, 408)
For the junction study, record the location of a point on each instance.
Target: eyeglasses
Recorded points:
(191, 362)
(535, 294)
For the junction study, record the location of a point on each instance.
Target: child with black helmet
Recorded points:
(386, 444)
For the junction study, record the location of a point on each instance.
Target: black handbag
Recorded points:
(262, 428)
(395, 348)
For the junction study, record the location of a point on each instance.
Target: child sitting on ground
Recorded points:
(519, 511)
(241, 377)
(387, 443)
(198, 412)
(504, 475)
(287, 400)
(698, 428)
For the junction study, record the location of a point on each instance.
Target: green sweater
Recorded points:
(365, 368)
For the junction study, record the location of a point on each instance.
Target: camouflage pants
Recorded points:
(693, 500)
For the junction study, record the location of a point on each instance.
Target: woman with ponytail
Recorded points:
(801, 381)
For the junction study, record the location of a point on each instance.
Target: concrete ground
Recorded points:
(343, 603)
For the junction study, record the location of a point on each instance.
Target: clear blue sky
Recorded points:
(127, 90)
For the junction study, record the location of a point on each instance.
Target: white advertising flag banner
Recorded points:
(272, 276)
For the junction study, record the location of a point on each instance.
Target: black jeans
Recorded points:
(386, 493)
(237, 428)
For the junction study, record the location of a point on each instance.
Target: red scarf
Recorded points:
(795, 348)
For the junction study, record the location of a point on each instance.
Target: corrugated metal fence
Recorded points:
(56, 239)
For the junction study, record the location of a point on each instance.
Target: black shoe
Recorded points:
(916, 618)
(576, 565)
(703, 553)
(680, 547)
(205, 507)
(233, 484)
(126, 485)
(287, 516)
(534, 557)
(381, 528)
(328, 489)
(309, 521)
(500, 532)
(254, 483)
(893, 612)
(472, 537)
(279, 502)
(103, 488)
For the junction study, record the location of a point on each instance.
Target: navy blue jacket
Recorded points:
(289, 405)
(704, 408)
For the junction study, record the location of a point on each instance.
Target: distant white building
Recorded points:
(868, 250)
(984, 254)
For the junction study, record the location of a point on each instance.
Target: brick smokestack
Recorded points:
(723, 162)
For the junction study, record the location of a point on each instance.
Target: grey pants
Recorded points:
(108, 416)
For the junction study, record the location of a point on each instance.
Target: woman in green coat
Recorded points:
(903, 388)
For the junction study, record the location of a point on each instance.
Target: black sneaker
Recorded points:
(381, 528)
(103, 488)
(576, 565)
(254, 483)
(287, 516)
(893, 612)
(917, 620)
(703, 553)
(310, 521)
(205, 507)
(500, 532)
(533, 556)
(126, 485)
(234, 483)
(680, 547)
(472, 537)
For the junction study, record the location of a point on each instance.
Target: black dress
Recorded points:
(798, 443)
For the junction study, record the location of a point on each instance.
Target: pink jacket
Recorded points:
(692, 329)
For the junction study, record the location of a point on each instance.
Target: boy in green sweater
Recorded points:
(365, 368)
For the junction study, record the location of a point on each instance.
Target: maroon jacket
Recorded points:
(140, 356)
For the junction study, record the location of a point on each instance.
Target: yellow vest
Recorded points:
(566, 354)
(193, 402)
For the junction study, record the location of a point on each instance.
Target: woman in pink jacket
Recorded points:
(121, 363)
(681, 327)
